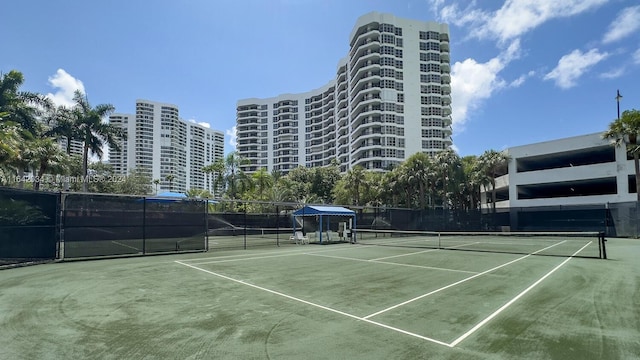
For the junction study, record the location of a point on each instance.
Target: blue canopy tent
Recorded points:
(321, 212)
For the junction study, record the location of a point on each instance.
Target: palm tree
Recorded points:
(156, 182)
(170, 179)
(355, 179)
(234, 173)
(9, 139)
(61, 126)
(417, 174)
(626, 130)
(93, 131)
(217, 169)
(446, 164)
(263, 180)
(47, 156)
(493, 164)
(20, 107)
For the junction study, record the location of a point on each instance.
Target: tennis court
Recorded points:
(340, 301)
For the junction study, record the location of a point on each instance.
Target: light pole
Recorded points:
(618, 97)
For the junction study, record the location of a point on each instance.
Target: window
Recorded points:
(429, 35)
(386, 28)
(431, 110)
(388, 39)
(400, 98)
(387, 50)
(430, 89)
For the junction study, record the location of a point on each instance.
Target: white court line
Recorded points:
(483, 322)
(125, 245)
(316, 305)
(458, 282)
(392, 263)
(420, 252)
(281, 253)
(248, 258)
(407, 254)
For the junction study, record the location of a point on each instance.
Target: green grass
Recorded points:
(326, 302)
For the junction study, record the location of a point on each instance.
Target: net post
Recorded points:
(603, 248)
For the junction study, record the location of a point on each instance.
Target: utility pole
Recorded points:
(618, 97)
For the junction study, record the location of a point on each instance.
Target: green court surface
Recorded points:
(338, 301)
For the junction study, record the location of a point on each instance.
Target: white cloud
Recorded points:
(613, 73)
(473, 82)
(636, 57)
(66, 85)
(514, 18)
(233, 137)
(572, 66)
(201, 123)
(520, 80)
(627, 23)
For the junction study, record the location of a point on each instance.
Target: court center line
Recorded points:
(401, 255)
(503, 307)
(316, 305)
(392, 263)
(458, 282)
(420, 252)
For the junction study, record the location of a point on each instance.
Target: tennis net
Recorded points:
(578, 244)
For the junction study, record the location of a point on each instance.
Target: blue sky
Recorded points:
(523, 71)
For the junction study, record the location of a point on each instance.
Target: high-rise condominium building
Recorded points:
(166, 147)
(390, 99)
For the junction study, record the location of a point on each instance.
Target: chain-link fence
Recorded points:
(107, 225)
(28, 226)
(41, 226)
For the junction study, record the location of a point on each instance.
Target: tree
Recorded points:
(20, 107)
(94, 132)
(61, 126)
(156, 182)
(493, 164)
(626, 131)
(138, 182)
(9, 140)
(217, 169)
(198, 193)
(263, 181)
(47, 157)
(417, 173)
(170, 179)
(351, 187)
(446, 165)
(234, 174)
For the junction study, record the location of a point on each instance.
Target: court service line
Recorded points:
(316, 305)
(458, 282)
(243, 256)
(125, 245)
(420, 252)
(392, 263)
(407, 254)
(503, 307)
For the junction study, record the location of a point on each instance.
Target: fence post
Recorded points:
(60, 222)
(144, 225)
